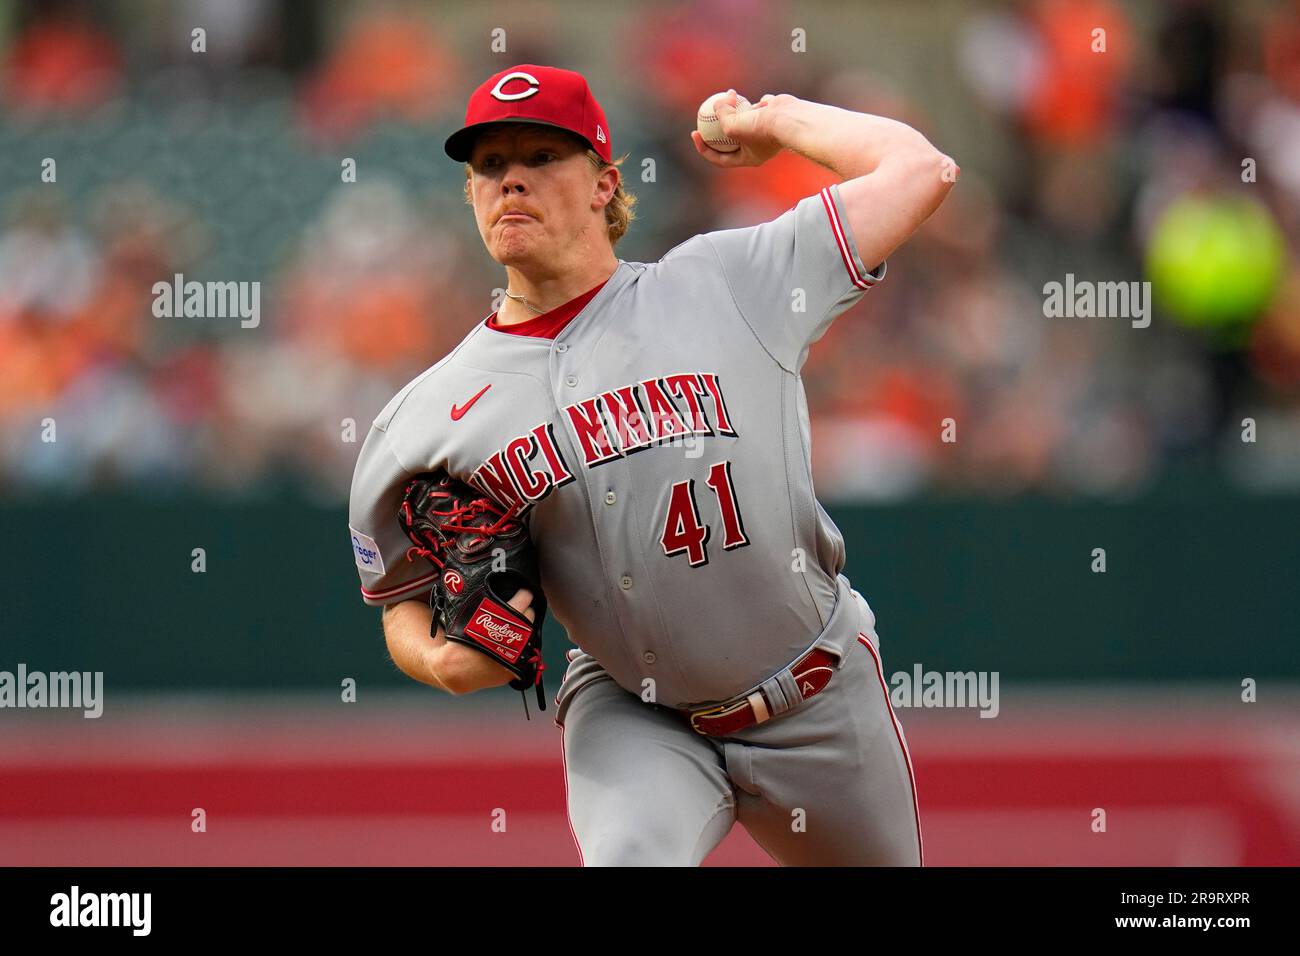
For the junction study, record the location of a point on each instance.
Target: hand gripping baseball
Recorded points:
(484, 557)
(746, 131)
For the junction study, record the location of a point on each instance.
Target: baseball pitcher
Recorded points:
(636, 433)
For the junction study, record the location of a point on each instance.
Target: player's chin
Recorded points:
(511, 251)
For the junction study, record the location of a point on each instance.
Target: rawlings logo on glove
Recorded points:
(485, 556)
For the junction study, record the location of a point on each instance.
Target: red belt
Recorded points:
(812, 672)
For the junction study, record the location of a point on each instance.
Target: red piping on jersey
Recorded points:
(401, 588)
(567, 815)
(898, 732)
(845, 253)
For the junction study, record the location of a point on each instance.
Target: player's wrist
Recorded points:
(785, 119)
(447, 664)
(463, 669)
(440, 668)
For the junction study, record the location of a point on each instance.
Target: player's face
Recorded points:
(533, 192)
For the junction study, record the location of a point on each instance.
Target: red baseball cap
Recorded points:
(528, 93)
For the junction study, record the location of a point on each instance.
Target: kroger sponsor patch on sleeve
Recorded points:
(366, 551)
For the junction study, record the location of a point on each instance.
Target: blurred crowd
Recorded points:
(1112, 143)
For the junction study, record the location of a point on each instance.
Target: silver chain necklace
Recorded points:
(520, 298)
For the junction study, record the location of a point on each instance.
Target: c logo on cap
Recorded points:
(533, 86)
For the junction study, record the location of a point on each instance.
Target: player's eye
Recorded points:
(491, 161)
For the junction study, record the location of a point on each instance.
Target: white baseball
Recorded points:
(706, 121)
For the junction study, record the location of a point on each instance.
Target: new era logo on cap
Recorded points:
(528, 93)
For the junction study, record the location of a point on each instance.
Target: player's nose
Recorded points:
(515, 175)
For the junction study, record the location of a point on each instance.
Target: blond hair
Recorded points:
(619, 213)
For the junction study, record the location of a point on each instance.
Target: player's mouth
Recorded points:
(516, 217)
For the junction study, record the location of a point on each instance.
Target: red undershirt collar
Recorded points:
(549, 324)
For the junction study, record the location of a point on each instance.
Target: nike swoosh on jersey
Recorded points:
(458, 412)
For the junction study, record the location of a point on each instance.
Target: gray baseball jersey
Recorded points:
(658, 448)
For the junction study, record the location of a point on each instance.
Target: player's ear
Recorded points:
(605, 186)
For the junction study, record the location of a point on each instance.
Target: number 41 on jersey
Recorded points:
(684, 531)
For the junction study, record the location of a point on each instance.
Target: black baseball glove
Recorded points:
(484, 555)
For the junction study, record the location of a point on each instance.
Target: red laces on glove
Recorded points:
(458, 514)
(419, 552)
(536, 661)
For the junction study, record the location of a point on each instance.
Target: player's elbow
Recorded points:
(931, 175)
(920, 182)
(949, 172)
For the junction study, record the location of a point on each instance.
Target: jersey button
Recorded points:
(562, 347)
(649, 657)
(571, 381)
(626, 582)
(610, 497)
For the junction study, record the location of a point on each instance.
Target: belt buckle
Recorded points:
(706, 712)
(759, 706)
